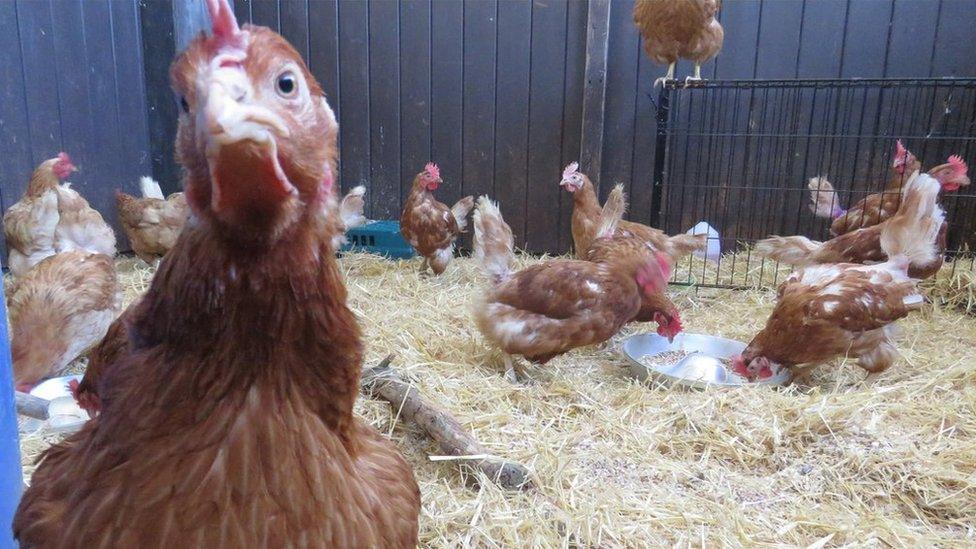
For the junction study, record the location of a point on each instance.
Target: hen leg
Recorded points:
(513, 370)
(424, 265)
(666, 77)
(696, 78)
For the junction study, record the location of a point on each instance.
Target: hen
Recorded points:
(877, 207)
(656, 307)
(826, 311)
(152, 223)
(228, 422)
(430, 226)
(861, 245)
(58, 310)
(586, 219)
(30, 224)
(675, 29)
(552, 307)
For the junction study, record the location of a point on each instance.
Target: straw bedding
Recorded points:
(837, 458)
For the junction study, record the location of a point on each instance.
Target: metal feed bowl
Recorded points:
(700, 369)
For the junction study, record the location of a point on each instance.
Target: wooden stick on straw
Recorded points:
(384, 382)
(31, 406)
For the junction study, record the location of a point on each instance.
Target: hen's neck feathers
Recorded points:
(277, 317)
(585, 199)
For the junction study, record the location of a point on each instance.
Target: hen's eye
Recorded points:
(287, 84)
(184, 106)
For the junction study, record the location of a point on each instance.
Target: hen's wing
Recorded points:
(81, 227)
(858, 298)
(429, 226)
(29, 226)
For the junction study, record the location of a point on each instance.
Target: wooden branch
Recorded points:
(31, 406)
(384, 382)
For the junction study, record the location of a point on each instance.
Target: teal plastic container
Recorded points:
(379, 237)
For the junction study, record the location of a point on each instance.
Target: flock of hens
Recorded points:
(247, 311)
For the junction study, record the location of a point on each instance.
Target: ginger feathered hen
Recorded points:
(58, 310)
(430, 226)
(29, 225)
(51, 218)
(863, 245)
(877, 207)
(657, 306)
(585, 221)
(826, 311)
(228, 422)
(674, 29)
(549, 308)
(152, 223)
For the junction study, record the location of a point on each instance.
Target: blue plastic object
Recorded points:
(11, 479)
(379, 237)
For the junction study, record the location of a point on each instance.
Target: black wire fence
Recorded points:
(739, 154)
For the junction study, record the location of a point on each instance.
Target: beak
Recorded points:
(240, 138)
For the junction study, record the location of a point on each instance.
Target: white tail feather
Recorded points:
(493, 241)
(911, 234)
(825, 201)
(713, 247)
(351, 208)
(612, 212)
(792, 250)
(460, 211)
(150, 188)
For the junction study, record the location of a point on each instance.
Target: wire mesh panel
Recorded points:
(739, 154)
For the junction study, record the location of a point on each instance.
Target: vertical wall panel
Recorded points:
(957, 20)
(293, 15)
(512, 114)
(415, 84)
(548, 52)
(447, 75)
(478, 136)
(267, 13)
(384, 108)
(822, 43)
(622, 86)
(14, 123)
(575, 64)
(866, 38)
(41, 81)
(354, 95)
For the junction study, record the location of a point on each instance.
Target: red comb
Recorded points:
(958, 165)
(571, 169)
(900, 149)
(63, 157)
(222, 20)
(432, 170)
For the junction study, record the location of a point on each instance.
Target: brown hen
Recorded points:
(549, 308)
(826, 311)
(152, 223)
(674, 29)
(229, 420)
(430, 226)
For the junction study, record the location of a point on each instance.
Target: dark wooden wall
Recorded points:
(71, 79)
(492, 90)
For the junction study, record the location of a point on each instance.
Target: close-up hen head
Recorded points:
(753, 367)
(63, 167)
(430, 178)
(904, 162)
(256, 135)
(668, 324)
(572, 179)
(953, 174)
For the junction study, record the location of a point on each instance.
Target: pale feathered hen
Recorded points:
(152, 223)
(58, 310)
(674, 29)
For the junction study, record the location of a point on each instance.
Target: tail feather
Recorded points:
(460, 211)
(351, 208)
(792, 250)
(150, 188)
(912, 234)
(612, 212)
(683, 244)
(825, 201)
(493, 242)
(712, 250)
